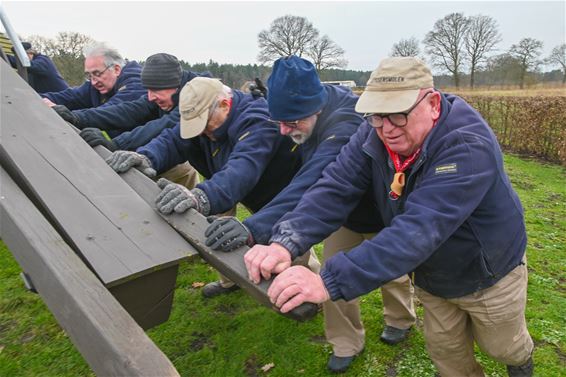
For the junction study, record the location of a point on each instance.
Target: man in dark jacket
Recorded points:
(43, 76)
(452, 220)
(226, 135)
(321, 119)
(134, 123)
(110, 80)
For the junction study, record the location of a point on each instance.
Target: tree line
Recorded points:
(462, 47)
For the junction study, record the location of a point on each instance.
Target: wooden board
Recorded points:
(114, 231)
(107, 337)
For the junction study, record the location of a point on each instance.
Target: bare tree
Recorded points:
(66, 51)
(527, 51)
(41, 44)
(445, 44)
(326, 54)
(503, 69)
(481, 38)
(558, 57)
(406, 47)
(287, 35)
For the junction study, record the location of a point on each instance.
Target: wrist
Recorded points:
(202, 201)
(282, 250)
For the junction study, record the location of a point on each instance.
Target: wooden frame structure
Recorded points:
(91, 243)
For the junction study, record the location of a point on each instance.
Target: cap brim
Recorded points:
(194, 127)
(385, 102)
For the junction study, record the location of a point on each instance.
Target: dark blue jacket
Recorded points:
(128, 87)
(134, 123)
(458, 225)
(335, 125)
(43, 76)
(250, 161)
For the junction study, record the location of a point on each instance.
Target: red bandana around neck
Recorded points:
(399, 178)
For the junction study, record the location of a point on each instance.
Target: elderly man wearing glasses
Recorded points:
(109, 80)
(320, 119)
(453, 221)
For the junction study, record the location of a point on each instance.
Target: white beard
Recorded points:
(300, 137)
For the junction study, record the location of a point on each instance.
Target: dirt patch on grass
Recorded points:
(229, 309)
(199, 342)
(251, 367)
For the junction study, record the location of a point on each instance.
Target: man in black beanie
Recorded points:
(129, 125)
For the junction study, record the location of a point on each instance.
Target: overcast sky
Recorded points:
(226, 32)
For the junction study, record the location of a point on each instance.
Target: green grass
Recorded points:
(234, 336)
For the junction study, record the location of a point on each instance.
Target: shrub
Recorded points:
(526, 125)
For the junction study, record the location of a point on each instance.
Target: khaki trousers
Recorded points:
(343, 324)
(183, 174)
(494, 317)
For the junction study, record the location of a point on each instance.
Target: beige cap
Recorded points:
(195, 100)
(394, 86)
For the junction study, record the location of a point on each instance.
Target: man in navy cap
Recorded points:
(43, 76)
(320, 119)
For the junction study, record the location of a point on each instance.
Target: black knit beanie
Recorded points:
(161, 71)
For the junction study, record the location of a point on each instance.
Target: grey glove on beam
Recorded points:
(122, 161)
(178, 198)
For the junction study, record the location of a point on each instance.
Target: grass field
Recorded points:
(234, 336)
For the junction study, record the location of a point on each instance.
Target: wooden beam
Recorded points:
(107, 337)
(191, 225)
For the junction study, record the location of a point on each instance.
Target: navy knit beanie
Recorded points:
(161, 71)
(295, 91)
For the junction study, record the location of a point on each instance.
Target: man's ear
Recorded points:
(435, 105)
(117, 69)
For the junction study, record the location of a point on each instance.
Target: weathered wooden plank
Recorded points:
(107, 337)
(98, 215)
(192, 225)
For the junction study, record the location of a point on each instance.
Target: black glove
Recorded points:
(227, 234)
(67, 114)
(94, 137)
(257, 89)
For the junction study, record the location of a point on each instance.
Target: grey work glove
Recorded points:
(178, 198)
(122, 161)
(227, 234)
(257, 89)
(67, 115)
(94, 137)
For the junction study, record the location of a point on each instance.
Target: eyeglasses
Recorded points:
(397, 119)
(97, 74)
(294, 124)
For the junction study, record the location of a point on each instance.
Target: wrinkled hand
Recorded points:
(257, 89)
(178, 198)
(227, 234)
(48, 102)
(296, 285)
(262, 261)
(66, 114)
(122, 161)
(94, 137)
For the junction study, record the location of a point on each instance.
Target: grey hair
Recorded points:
(111, 55)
